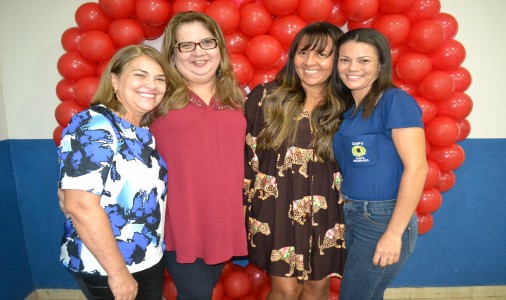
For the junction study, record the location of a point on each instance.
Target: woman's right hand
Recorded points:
(123, 286)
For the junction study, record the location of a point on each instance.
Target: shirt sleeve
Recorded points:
(400, 110)
(86, 152)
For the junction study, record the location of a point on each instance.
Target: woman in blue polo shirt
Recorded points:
(380, 148)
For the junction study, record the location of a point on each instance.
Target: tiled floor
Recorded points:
(456, 293)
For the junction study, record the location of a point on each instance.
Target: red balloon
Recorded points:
(101, 67)
(428, 146)
(448, 158)
(85, 90)
(188, 5)
(426, 36)
(73, 66)
(241, 3)
(89, 17)
(225, 13)
(242, 68)
(255, 19)
(284, 29)
(152, 12)
(70, 38)
(432, 174)
(151, 32)
(449, 56)
(169, 289)
(281, 8)
(442, 131)
(425, 222)
(394, 27)
(397, 52)
(462, 78)
(117, 9)
(236, 283)
(333, 295)
(429, 109)
(314, 10)
(262, 76)
(437, 86)
(218, 291)
(237, 42)
(360, 10)
(363, 24)
(430, 201)
(446, 181)
(264, 51)
(458, 106)
(65, 90)
(422, 10)
(227, 267)
(337, 15)
(57, 135)
(258, 277)
(265, 292)
(65, 111)
(394, 6)
(449, 24)
(464, 129)
(96, 46)
(410, 88)
(412, 66)
(282, 61)
(124, 32)
(335, 284)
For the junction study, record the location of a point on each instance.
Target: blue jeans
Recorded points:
(365, 223)
(194, 281)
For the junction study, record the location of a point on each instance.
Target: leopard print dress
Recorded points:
(294, 211)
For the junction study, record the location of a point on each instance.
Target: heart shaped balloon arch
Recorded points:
(427, 63)
(427, 59)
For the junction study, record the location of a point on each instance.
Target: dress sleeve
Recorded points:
(86, 152)
(254, 121)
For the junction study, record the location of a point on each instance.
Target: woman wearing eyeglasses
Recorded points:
(200, 133)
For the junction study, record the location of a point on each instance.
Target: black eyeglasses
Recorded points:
(205, 44)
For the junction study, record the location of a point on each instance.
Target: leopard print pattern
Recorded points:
(302, 207)
(296, 156)
(334, 238)
(338, 180)
(266, 186)
(295, 261)
(254, 227)
(251, 141)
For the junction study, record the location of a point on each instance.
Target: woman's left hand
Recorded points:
(388, 250)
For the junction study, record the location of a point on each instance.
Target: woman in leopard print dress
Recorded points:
(291, 192)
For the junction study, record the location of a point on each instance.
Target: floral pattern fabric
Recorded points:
(106, 155)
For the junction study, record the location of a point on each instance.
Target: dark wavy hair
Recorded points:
(284, 104)
(384, 80)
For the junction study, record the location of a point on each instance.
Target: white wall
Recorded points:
(30, 46)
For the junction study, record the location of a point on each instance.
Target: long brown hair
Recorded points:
(105, 94)
(286, 102)
(384, 80)
(227, 90)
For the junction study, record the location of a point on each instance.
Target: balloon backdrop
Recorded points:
(427, 64)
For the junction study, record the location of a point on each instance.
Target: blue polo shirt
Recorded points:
(365, 151)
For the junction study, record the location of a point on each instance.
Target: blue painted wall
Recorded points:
(464, 248)
(15, 271)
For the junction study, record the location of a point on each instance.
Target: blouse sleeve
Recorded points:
(401, 110)
(86, 152)
(254, 119)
